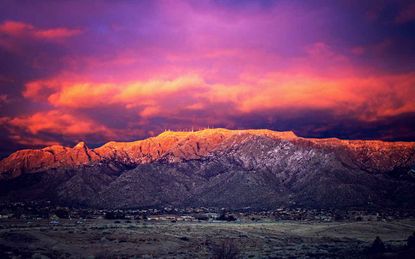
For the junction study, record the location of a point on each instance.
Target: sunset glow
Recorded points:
(127, 70)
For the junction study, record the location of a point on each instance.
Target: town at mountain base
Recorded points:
(216, 168)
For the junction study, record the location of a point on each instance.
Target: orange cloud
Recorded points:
(38, 90)
(369, 97)
(21, 29)
(59, 123)
(150, 111)
(153, 88)
(83, 95)
(375, 96)
(78, 94)
(286, 90)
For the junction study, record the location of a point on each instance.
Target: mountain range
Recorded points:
(216, 168)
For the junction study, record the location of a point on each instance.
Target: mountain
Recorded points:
(216, 168)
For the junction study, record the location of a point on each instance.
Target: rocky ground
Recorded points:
(125, 239)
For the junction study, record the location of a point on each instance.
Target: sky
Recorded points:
(97, 71)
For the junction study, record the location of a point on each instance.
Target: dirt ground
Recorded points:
(126, 239)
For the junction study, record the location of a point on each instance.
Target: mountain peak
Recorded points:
(81, 145)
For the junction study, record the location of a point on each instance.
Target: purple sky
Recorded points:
(126, 70)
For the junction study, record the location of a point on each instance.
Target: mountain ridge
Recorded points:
(216, 167)
(129, 152)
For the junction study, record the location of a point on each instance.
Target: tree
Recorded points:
(378, 247)
(411, 241)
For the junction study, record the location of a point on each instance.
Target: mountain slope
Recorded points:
(216, 167)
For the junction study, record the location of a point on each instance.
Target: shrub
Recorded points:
(226, 250)
(62, 213)
(201, 217)
(114, 215)
(184, 238)
(411, 241)
(378, 247)
(225, 217)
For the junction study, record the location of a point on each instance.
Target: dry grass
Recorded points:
(183, 240)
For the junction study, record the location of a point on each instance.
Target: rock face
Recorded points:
(217, 168)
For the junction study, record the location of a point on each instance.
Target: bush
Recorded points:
(184, 238)
(378, 247)
(226, 250)
(201, 217)
(225, 217)
(62, 213)
(411, 241)
(114, 215)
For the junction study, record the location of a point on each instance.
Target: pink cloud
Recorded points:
(407, 14)
(21, 29)
(4, 98)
